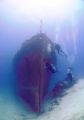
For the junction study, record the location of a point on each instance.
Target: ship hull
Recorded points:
(33, 77)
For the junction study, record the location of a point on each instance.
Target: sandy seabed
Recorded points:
(71, 106)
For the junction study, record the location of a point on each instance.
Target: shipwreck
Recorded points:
(34, 64)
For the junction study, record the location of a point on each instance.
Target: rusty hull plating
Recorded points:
(31, 73)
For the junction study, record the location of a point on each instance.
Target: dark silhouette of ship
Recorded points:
(34, 65)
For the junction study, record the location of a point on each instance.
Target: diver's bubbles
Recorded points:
(66, 36)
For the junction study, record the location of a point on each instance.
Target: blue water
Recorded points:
(12, 35)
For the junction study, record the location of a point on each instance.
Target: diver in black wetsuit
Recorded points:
(69, 79)
(59, 50)
(51, 67)
(69, 76)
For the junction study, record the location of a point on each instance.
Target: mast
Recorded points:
(41, 26)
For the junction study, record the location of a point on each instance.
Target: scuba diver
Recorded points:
(69, 74)
(51, 67)
(59, 50)
(69, 77)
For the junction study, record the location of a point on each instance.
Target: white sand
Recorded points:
(71, 107)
